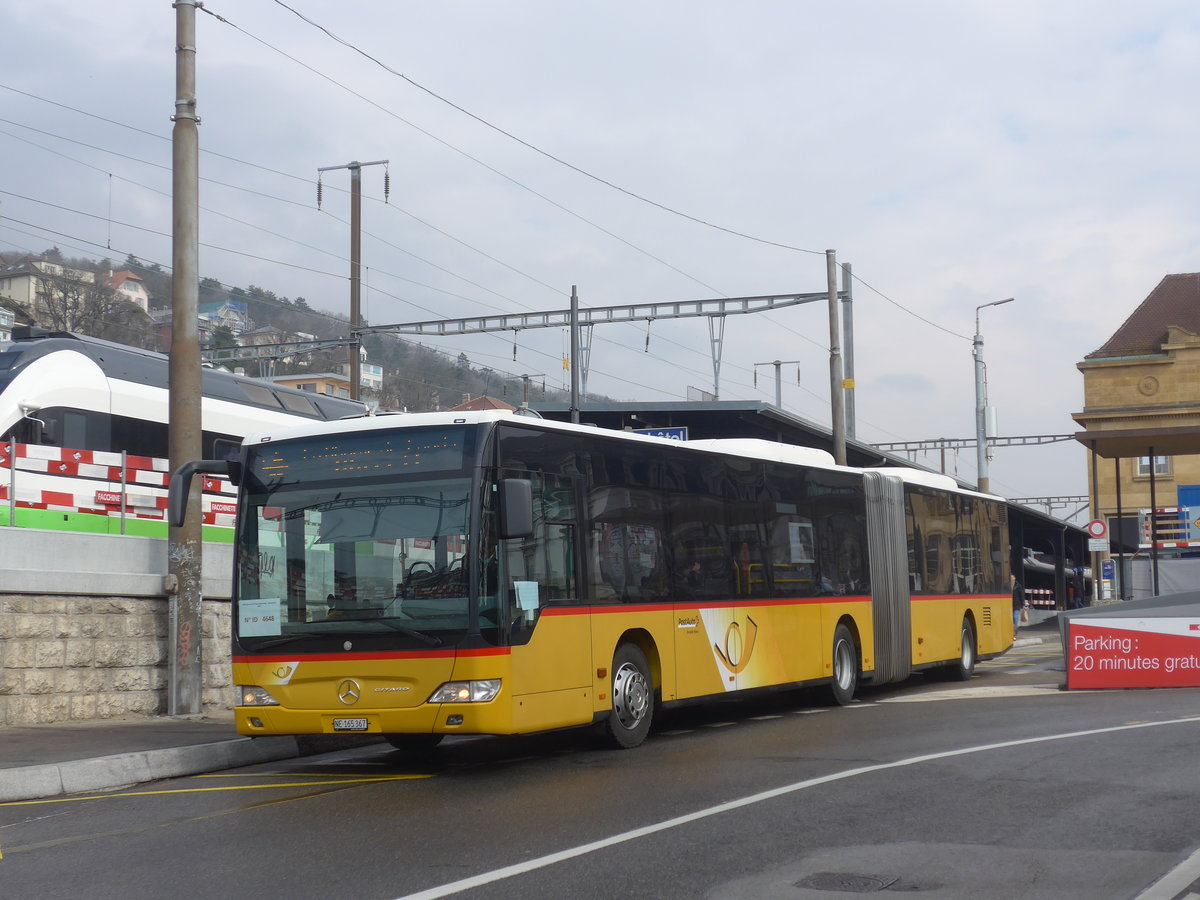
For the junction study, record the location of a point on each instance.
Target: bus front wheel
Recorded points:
(845, 666)
(632, 698)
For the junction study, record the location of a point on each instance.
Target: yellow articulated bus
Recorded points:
(485, 573)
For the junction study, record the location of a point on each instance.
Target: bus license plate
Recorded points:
(349, 724)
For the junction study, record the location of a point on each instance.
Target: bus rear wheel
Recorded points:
(632, 698)
(964, 668)
(845, 666)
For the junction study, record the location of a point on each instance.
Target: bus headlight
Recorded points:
(253, 695)
(466, 691)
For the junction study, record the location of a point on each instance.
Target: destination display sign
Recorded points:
(361, 454)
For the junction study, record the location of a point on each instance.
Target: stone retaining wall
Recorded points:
(65, 658)
(83, 626)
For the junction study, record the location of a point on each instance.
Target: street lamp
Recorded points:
(981, 448)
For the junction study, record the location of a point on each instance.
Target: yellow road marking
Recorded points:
(303, 775)
(232, 787)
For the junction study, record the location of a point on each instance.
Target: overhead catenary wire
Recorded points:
(584, 172)
(536, 149)
(306, 180)
(539, 194)
(686, 348)
(315, 248)
(281, 304)
(782, 325)
(510, 179)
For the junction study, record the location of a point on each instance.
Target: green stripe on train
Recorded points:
(90, 523)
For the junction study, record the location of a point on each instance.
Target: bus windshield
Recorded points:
(368, 555)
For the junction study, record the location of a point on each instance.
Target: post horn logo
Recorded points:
(736, 655)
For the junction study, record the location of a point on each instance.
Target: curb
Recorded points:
(1028, 642)
(125, 769)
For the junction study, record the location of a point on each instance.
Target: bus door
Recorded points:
(794, 569)
(538, 611)
(714, 637)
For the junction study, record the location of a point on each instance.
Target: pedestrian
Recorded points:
(1018, 602)
(1080, 588)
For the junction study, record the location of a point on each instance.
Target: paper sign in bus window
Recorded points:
(527, 595)
(800, 539)
(257, 618)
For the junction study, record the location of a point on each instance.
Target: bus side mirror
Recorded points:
(181, 484)
(231, 452)
(516, 507)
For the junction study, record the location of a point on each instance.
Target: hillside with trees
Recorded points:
(415, 377)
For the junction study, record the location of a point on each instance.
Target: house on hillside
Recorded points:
(476, 404)
(129, 286)
(266, 334)
(232, 314)
(1141, 420)
(370, 374)
(332, 384)
(27, 283)
(163, 320)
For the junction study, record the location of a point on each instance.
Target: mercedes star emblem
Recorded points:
(349, 692)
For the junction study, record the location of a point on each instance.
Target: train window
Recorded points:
(138, 437)
(74, 429)
(260, 395)
(298, 403)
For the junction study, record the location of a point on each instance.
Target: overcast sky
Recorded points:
(954, 152)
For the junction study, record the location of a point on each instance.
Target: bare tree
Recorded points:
(65, 304)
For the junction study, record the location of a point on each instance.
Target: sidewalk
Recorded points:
(40, 761)
(1042, 628)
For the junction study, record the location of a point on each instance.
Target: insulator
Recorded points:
(387, 185)
(319, 186)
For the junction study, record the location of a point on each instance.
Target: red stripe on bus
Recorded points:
(449, 653)
(960, 596)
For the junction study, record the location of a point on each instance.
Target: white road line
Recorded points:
(531, 865)
(1174, 881)
(984, 692)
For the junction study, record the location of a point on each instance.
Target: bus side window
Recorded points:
(627, 562)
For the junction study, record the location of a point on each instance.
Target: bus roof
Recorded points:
(752, 448)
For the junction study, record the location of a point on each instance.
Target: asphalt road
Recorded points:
(1001, 787)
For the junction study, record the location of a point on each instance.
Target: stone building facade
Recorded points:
(1141, 396)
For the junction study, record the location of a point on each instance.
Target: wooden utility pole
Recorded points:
(355, 259)
(185, 673)
(837, 388)
(848, 331)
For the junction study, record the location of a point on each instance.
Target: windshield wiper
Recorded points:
(278, 642)
(426, 639)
